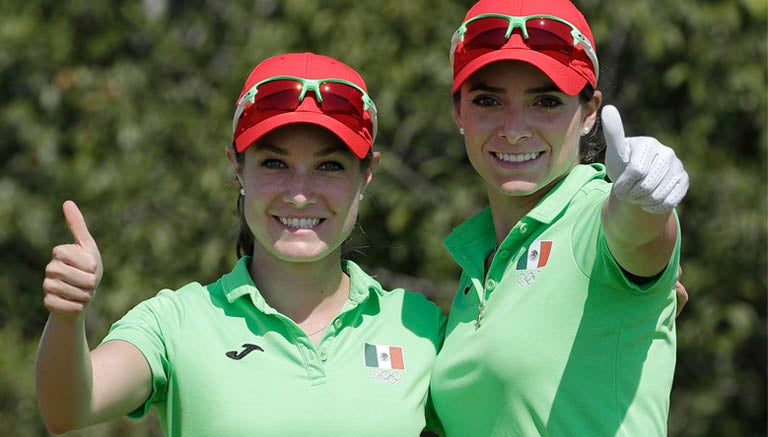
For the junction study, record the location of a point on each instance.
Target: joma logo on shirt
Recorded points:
(247, 348)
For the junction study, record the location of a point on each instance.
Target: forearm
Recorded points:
(649, 181)
(64, 374)
(641, 242)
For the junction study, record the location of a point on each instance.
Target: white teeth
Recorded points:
(299, 223)
(517, 157)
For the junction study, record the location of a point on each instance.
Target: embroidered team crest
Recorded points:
(385, 363)
(536, 256)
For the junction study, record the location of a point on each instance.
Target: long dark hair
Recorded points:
(245, 239)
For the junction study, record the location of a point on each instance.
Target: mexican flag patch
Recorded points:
(384, 357)
(536, 256)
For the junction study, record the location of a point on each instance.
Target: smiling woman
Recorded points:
(565, 323)
(294, 338)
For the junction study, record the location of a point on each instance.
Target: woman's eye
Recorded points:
(548, 102)
(331, 166)
(484, 101)
(272, 163)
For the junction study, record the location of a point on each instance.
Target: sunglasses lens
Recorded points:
(550, 35)
(339, 98)
(272, 98)
(486, 33)
(277, 95)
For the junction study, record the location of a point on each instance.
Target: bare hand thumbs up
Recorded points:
(77, 226)
(75, 270)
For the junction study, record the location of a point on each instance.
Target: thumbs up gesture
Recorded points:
(75, 270)
(644, 171)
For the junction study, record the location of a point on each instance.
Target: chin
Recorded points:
(302, 252)
(519, 188)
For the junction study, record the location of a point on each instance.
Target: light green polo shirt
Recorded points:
(225, 363)
(566, 344)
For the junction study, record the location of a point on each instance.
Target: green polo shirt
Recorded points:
(566, 345)
(225, 363)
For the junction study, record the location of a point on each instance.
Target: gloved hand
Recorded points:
(644, 171)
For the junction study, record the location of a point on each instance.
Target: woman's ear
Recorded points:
(236, 167)
(374, 162)
(592, 109)
(457, 114)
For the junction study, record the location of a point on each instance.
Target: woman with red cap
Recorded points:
(564, 322)
(294, 340)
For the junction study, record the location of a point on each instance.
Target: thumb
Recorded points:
(77, 226)
(616, 145)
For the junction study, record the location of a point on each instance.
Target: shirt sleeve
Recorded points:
(591, 252)
(150, 326)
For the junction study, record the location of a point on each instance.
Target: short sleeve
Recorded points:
(151, 327)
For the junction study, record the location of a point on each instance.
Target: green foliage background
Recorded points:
(125, 106)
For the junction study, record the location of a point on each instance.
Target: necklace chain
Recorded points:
(321, 329)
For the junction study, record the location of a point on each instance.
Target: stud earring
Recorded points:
(586, 131)
(461, 130)
(361, 196)
(242, 191)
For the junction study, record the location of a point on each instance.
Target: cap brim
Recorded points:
(355, 142)
(569, 81)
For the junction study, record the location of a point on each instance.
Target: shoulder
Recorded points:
(363, 283)
(168, 304)
(184, 294)
(412, 301)
(411, 308)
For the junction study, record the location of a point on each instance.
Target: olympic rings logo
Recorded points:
(526, 278)
(385, 376)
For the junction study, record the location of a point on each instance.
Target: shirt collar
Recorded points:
(479, 232)
(558, 198)
(238, 283)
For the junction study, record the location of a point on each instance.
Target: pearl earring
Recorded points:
(361, 196)
(242, 191)
(586, 131)
(461, 130)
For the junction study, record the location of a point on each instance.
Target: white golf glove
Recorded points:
(644, 171)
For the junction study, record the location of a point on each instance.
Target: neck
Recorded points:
(301, 291)
(507, 210)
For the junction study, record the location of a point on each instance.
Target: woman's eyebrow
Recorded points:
(482, 86)
(543, 90)
(330, 151)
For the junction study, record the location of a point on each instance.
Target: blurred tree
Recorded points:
(125, 107)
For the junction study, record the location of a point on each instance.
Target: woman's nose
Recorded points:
(299, 190)
(515, 127)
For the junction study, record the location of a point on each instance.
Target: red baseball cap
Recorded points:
(570, 72)
(306, 66)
